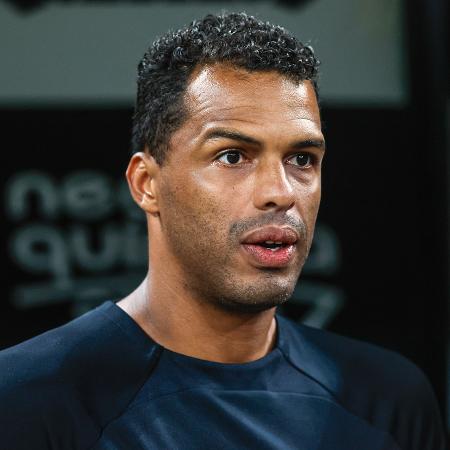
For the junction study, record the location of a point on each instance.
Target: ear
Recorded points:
(141, 175)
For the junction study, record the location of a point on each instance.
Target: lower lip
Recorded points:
(266, 257)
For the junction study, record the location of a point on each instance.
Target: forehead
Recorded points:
(224, 93)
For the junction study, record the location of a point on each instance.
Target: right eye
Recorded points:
(230, 158)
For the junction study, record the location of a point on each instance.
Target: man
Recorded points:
(228, 150)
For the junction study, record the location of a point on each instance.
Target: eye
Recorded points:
(301, 160)
(230, 157)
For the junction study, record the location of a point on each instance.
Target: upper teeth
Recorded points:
(272, 242)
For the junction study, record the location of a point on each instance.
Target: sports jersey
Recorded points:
(100, 382)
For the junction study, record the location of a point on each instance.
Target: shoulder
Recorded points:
(338, 360)
(72, 375)
(77, 349)
(374, 383)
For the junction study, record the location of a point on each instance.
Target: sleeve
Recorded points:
(418, 420)
(37, 410)
(22, 422)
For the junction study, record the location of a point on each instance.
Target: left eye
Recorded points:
(301, 160)
(232, 157)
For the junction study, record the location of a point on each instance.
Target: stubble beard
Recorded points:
(207, 264)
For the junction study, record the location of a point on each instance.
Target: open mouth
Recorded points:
(271, 245)
(270, 254)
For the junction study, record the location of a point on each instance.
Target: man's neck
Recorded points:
(199, 329)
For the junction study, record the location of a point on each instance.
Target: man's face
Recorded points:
(239, 191)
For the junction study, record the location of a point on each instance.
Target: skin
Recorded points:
(232, 167)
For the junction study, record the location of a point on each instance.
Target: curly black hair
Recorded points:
(234, 38)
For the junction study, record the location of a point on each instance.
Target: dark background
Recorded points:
(379, 267)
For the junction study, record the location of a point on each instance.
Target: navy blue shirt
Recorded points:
(99, 382)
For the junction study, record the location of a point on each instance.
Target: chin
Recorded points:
(254, 299)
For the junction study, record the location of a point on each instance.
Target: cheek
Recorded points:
(211, 193)
(193, 204)
(315, 195)
(308, 201)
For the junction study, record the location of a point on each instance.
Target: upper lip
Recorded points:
(285, 235)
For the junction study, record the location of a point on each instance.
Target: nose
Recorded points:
(272, 187)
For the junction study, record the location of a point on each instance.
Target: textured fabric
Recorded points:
(100, 383)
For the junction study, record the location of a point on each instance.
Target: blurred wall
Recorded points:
(87, 53)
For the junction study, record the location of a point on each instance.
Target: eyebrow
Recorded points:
(241, 137)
